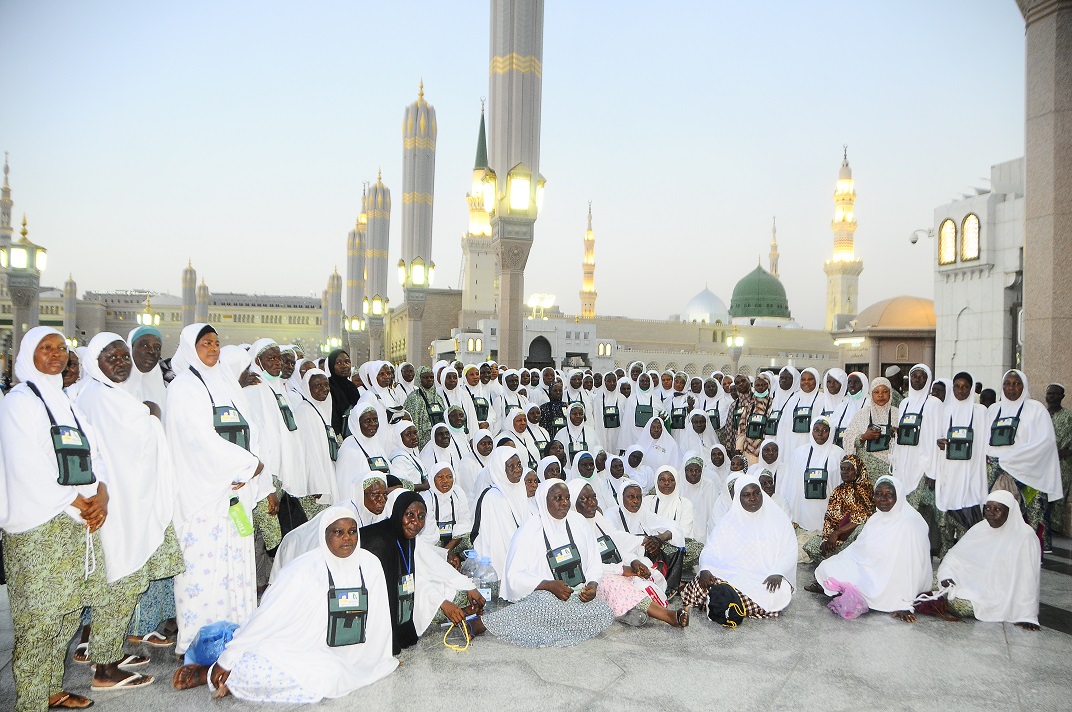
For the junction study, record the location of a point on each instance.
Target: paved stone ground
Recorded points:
(808, 659)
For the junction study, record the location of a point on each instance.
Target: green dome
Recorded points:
(759, 294)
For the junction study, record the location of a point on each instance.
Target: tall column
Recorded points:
(418, 178)
(1048, 192)
(416, 350)
(203, 299)
(375, 332)
(355, 278)
(513, 236)
(70, 308)
(379, 232)
(189, 294)
(588, 267)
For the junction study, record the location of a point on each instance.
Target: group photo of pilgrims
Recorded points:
(288, 524)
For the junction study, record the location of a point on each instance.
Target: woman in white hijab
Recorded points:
(668, 502)
(51, 521)
(641, 405)
(406, 381)
(516, 425)
(870, 433)
(583, 468)
(449, 517)
(500, 509)
(144, 343)
(138, 537)
(715, 402)
(857, 390)
(295, 648)
(890, 562)
(779, 425)
(993, 572)
(658, 446)
(717, 464)
(698, 435)
(473, 473)
(1023, 446)
(578, 434)
(960, 468)
(752, 549)
(634, 590)
(919, 425)
(637, 468)
(476, 400)
(608, 407)
(813, 472)
(511, 397)
(320, 443)
(442, 448)
(770, 462)
(701, 490)
(405, 459)
(361, 452)
(633, 517)
(801, 411)
(376, 378)
(724, 503)
(836, 405)
(552, 574)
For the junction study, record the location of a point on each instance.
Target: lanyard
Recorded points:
(453, 517)
(408, 565)
(210, 398)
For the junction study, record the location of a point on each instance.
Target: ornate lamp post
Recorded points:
(24, 261)
(735, 344)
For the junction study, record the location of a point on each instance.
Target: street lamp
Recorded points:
(147, 317)
(735, 344)
(24, 262)
(418, 274)
(354, 324)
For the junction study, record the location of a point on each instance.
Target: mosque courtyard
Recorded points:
(809, 659)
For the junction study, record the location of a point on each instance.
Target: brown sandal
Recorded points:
(682, 618)
(70, 701)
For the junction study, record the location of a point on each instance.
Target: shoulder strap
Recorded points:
(475, 531)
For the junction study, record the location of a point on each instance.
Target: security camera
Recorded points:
(913, 238)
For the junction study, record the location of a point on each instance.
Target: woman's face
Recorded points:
(51, 357)
(586, 466)
(376, 497)
(751, 498)
(635, 458)
(342, 365)
(880, 395)
(820, 433)
(271, 360)
(718, 458)
(644, 382)
(601, 460)
(597, 380)
(885, 497)
(696, 386)
(770, 453)
(666, 482)
(679, 383)
(472, 377)
(441, 437)
(558, 501)
(742, 383)
(693, 473)
(576, 381)
(443, 480)
(917, 378)
(738, 464)
(655, 430)
(146, 354)
(534, 416)
(635, 371)
(524, 379)
(407, 372)
(587, 502)
(385, 376)
(767, 483)
(848, 471)
(558, 450)
(667, 381)
(410, 438)
(319, 388)
(576, 416)
(513, 382)
(833, 385)
(785, 380)
(369, 423)
(114, 362)
(306, 367)
(807, 382)
(710, 388)
(632, 498)
(531, 483)
(699, 423)
(553, 471)
(617, 468)
(962, 389)
(450, 380)
(520, 422)
(938, 390)
(610, 382)
(341, 537)
(762, 385)
(1012, 387)
(995, 514)
(855, 385)
(208, 349)
(514, 469)
(427, 379)
(555, 392)
(456, 418)
(413, 519)
(627, 389)
(484, 446)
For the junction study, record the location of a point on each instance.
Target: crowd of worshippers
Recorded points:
(290, 524)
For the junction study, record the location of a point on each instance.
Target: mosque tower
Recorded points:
(325, 317)
(5, 219)
(355, 261)
(480, 294)
(189, 294)
(203, 299)
(70, 307)
(335, 304)
(774, 248)
(379, 232)
(418, 178)
(843, 269)
(588, 288)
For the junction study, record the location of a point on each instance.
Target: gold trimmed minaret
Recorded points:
(588, 289)
(843, 269)
(774, 247)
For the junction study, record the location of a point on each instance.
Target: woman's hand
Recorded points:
(773, 582)
(942, 442)
(640, 569)
(870, 433)
(96, 508)
(475, 599)
(219, 681)
(559, 588)
(652, 545)
(828, 545)
(273, 504)
(588, 592)
(454, 614)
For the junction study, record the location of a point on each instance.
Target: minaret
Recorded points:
(843, 269)
(355, 262)
(379, 232)
(774, 248)
(335, 304)
(588, 289)
(325, 317)
(418, 178)
(70, 307)
(203, 299)
(479, 282)
(189, 294)
(5, 208)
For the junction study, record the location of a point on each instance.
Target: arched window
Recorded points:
(947, 242)
(969, 238)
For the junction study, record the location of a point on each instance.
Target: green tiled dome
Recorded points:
(759, 294)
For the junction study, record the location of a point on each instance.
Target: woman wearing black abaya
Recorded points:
(344, 394)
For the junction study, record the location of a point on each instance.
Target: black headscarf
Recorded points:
(386, 540)
(344, 394)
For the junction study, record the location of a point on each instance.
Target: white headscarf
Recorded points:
(871, 414)
(702, 495)
(890, 562)
(451, 504)
(314, 419)
(997, 569)
(747, 547)
(809, 513)
(1032, 458)
(145, 386)
(718, 474)
(910, 463)
(322, 407)
(644, 521)
(782, 395)
(672, 506)
(658, 451)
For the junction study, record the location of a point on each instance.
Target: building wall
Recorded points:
(440, 317)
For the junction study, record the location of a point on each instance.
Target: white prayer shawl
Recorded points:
(30, 494)
(403, 387)
(508, 398)
(283, 447)
(205, 464)
(576, 395)
(855, 403)
(644, 521)
(688, 439)
(148, 386)
(658, 451)
(141, 495)
(525, 440)
(435, 581)
(469, 395)
(724, 502)
(290, 626)
(838, 408)
(601, 400)
(809, 513)
(630, 433)
(998, 570)
(234, 360)
(871, 414)
(445, 507)
(432, 453)
(1032, 458)
(909, 463)
(357, 449)
(702, 495)
(526, 562)
(405, 462)
(642, 474)
(597, 480)
(718, 474)
(630, 546)
(774, 468)
(961, 483)
(472, 471)
(314, 420)
(890, 562)
(787, 439)
(721, 401)
(748, 547)
(503, 509)
(581, 436)
(673, 506)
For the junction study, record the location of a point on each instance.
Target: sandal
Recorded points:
(70, 701)
(81, 653)
(127, 683)
(814, 588)
(157, 639)
(682, 618)
(130, 661)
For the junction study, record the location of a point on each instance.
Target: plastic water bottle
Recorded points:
(471, 566)
(489, 581)
(241, 520)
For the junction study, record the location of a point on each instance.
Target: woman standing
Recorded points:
(344, 394)
(960, 468)
(850, 505)
(424, 405)
(211, 443)
(870, 434)
(577, 435)
(320, 442)
(608, 407)
(808, 480)
(361, 452)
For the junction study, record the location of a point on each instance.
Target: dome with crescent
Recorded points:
(759, 295)
(706, 308)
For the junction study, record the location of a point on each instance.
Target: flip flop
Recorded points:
(127, 683)
(80, 703)
(130, 661)
(81, 653)
(157, 639)
(682, 618)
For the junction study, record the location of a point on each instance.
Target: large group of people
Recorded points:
(335, 512)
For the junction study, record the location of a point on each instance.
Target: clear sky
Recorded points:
(237, 134)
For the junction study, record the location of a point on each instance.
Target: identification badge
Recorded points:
(802, 419)
(228, 415)
(70, 436)
(378, 464)
(771, 426)
(756, 423)
(349, 598)
(563, 554)
(405, 586)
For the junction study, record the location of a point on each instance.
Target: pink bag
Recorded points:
(850, 604)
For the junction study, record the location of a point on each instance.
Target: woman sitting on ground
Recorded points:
(754, 550)
(291, 649)
(668, 502)
(851, 503)
(992, 573)
(890, 561)
(450, 519)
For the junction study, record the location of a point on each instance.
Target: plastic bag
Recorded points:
(850, 604)
(209, 643)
